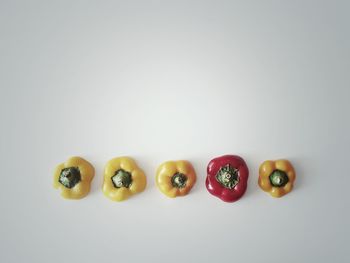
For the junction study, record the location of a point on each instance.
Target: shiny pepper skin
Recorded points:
(122, 179)
(74, 178)
(276, 177)
(227, 177)
(175, 178)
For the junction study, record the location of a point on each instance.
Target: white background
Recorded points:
(160, 80)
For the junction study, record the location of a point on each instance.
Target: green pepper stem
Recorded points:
(278, 178)
(121, 178)
(69, 177)
(227, 176)
(179, 180)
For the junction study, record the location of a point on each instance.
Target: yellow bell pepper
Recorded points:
(74, 178)
(175, 178)
(123, 178)
(276, 177)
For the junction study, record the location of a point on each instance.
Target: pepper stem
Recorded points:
(278, 178)
(121, 178)
(179, 180)
(227, 176)
(69, 177)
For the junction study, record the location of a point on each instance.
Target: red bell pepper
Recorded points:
(227, 177)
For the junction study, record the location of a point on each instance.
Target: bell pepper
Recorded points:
(175, 178)
(123, 178)
(74, 178)
(276, 177)
(227, 177)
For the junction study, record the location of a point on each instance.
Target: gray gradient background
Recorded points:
(161, 80)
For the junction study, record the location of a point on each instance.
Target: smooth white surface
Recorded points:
(175, 80)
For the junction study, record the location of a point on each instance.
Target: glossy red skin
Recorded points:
(216, 189)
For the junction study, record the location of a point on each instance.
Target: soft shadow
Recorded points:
(300, 165)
